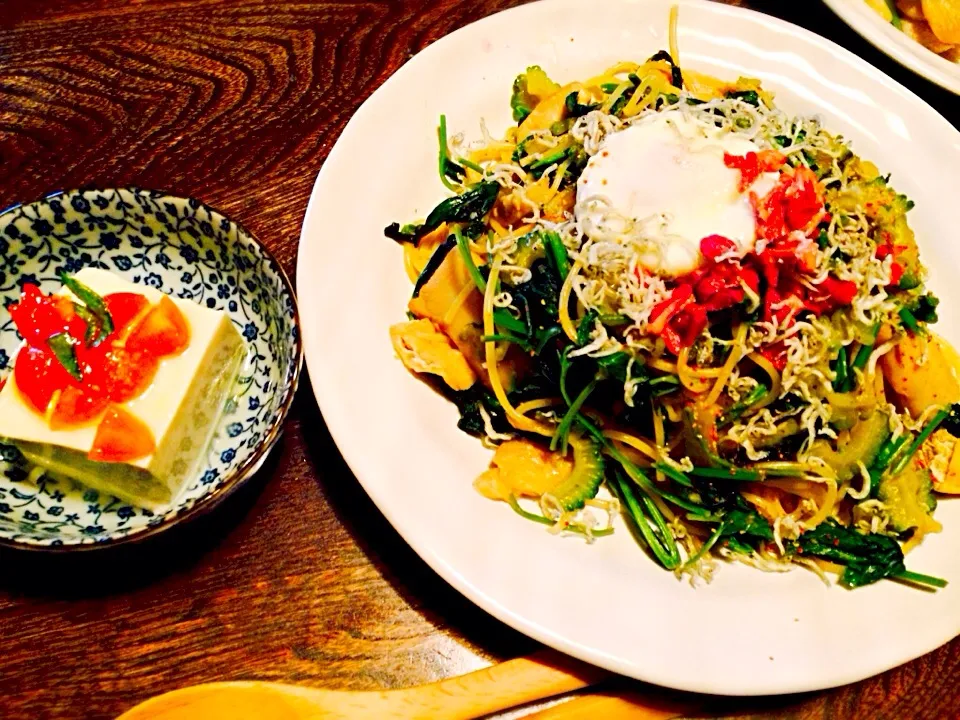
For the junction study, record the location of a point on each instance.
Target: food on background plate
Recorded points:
(659, 293)
(116, 385)
(935, 24)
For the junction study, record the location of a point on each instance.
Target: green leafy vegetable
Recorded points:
(540, 296)
(746, 522)
(924, 309)
(888, 450)
(562, 432)
(449, 170)
(908, 281)
(866, 558)
(469, 403)
(557, 253)
(894, 14)
(575, 108)
(471, 206)
(739, 408)
(734, 473)
(585, 328)
(436, 259)
(675, 74)
(571, 527)
(646, 520)
(537, 168)
(841, 380)
(63, 349)
(406, 234)
(863, 354)
(909, 320)
(921, 438)
(748, 96)
(952, 422)
(465, 255)
(95, 305)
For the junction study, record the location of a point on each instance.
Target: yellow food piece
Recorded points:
(451, 300)
(951, 479)
(882, 9)
(550, 110)
(944, 19)
(560, 205)
(416, 256)
(858, 167)
(923, 34)
(922, 370)
(910, 9)
(524, 469)
(953, 54)
(766, 500)
(539, 83)
(424, 349)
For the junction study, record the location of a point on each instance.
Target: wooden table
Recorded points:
(297, 577)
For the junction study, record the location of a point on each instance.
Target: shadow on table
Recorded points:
(109, 570)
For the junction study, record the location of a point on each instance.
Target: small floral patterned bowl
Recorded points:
(182, 248)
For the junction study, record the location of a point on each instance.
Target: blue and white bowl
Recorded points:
(187, 250)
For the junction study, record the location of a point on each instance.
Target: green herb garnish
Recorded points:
(95, 305)
(62, 346)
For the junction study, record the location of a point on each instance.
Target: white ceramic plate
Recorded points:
(746, 633)
(902, 48)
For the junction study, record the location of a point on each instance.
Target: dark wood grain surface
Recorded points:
(297, 577)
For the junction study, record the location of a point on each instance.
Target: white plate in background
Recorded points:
(897, 44)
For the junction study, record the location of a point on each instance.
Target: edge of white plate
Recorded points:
(321, 382)
(897, 44)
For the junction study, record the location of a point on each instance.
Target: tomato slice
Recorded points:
(124, 308)
(39, 375)
(126, 373)
(121, 367)
(163, 332)
(38, 316)
(121, 437)
(76, 406)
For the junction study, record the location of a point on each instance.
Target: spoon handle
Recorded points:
(618, 704)
(499, 687)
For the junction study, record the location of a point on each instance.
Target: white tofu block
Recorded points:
(182, 408)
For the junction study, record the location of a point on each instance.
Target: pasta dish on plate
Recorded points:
(935, 24)
(657, 295)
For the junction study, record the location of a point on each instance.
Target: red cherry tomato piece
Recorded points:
(129, 373)
(712, 246)
(121, 437)
(39, 375)
(163, 332)
(76, 406)
(38, 316)
(124, 308)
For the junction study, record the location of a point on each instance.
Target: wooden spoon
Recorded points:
(503, 686)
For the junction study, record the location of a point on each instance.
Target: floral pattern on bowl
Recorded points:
(185, 249)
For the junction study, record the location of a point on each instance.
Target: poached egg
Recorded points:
(664, 178)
